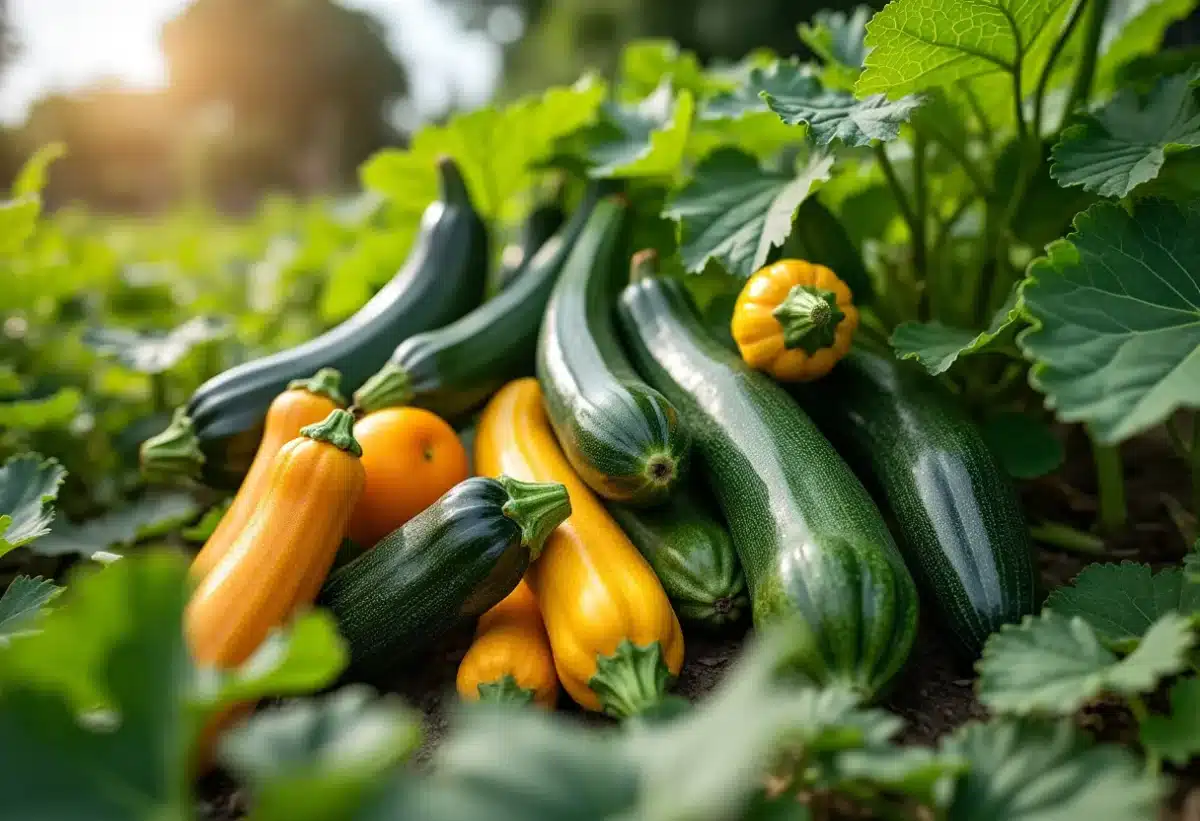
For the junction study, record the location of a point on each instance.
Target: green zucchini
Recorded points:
(956, 514)
(454, 369)
(443, 278)
(543, 222)
(692, 555)
(623, 438)
(814, 547)
(448, 564)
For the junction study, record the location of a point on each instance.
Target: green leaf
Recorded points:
(924, 775)
(919, 44)
(1143, 73)
(645, 140)
(1024, 444)
(22, 604)
(645, 64)
(1133, 28)
(937, 346)
(53, 412)
(155, 353)
(1176, 738)
(838, 39)
(1030, 771)
(28, 489)
(734, 211)
(836, 115)
(31, 180)
(1053, 665)
(1121, 601)
(1126, 143)
(155, 514)
(740, 118)
(1116, 307)
(319, 760)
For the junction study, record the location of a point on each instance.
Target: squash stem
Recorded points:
(326, 382)
(643, 265)
(174, 453)
(505, 690)
(1110, 486)
(389, 387)
(337, 429)
(632, 680)
(809, 317)
(537, 508)
(451, 186)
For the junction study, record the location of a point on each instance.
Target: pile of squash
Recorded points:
(631, 470)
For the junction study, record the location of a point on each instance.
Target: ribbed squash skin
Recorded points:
(592, 586)
(692, 554)
(448, 564)
(279, 558)
(814, 547)
(957, 515)
(613, 427)
(442, 279)
(510, 640)
(289, 412)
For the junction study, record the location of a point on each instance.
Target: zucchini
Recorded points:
(450, 563)
(622, 437)
(454, 369)
(956, 514)
(542, 223)
(814, 547)
(443, 278)
(692, 554)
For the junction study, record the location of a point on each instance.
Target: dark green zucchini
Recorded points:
(542, 223)
(814, 547)
(448, 564)
(454, 369)
(442, 279)
(956, 514)
(623, 438)
(692, 555)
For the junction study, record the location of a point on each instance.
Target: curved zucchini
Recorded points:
(959, 521)
(442, 279)
(454, 369)
(450, 563)
(692, 555)
(814, 548)
(624, 439)
(542, 223)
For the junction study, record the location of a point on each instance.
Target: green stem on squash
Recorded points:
(326, 382)
(632, 680)
(1081, 89)
(809, 317)
(174, 453)
(389, 387)
(1110, 486)
(505, 690)
(536, 508)
(336, 429)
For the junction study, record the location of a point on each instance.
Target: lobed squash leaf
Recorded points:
(642, 140)
(22, 603)
(937, 347)
(29, 486)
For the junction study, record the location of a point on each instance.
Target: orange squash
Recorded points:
(305, 402)
(510, 658)
(615, 639)
(411, 457)
(290, 541)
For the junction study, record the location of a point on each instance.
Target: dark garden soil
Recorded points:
(935, 694)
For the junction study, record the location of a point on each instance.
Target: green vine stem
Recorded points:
(1067, 538)
(1141, 713)
(889, 173)
(920, 215)
(1039, 96)
(1110, 486)
(1082, 88)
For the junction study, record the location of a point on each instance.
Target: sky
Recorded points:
(66, 44)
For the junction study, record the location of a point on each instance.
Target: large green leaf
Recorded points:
(735, 211)
(53, 412)
(22, 603)
(1053, 665)
(1029, 771)
(155, 514)
(28, 488)
(1176, 737)
(1122, 601)
(1133, 28)
(646, 63)
(644, 140)
(1116, 305)
(1126, 143)
(937, 347)
(837, 37)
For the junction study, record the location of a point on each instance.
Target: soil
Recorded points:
(935, 694)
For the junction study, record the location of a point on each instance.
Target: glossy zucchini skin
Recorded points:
(442, 279)
(956, 514)
(623, 437)
(692, 554)
(814, 547)
(453, 370)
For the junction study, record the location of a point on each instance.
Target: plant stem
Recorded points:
(1140, 712)
(985, 131)
(1039, 96)
(1110, 485)
(921, 207)
(1067, 538)
(906, 209)
(970, 167)
(1081, 90)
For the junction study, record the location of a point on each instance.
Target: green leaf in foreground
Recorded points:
(645, 140)
(1126, 143)
(735, 211)
(28, 488)
(830, 115)
(1053, 665)
(1024, 444)
(1116, 305)
(1121, 601)
(1176, 737)
(937, 347)
(1029, 771)
(22, 604)
(318, 760)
